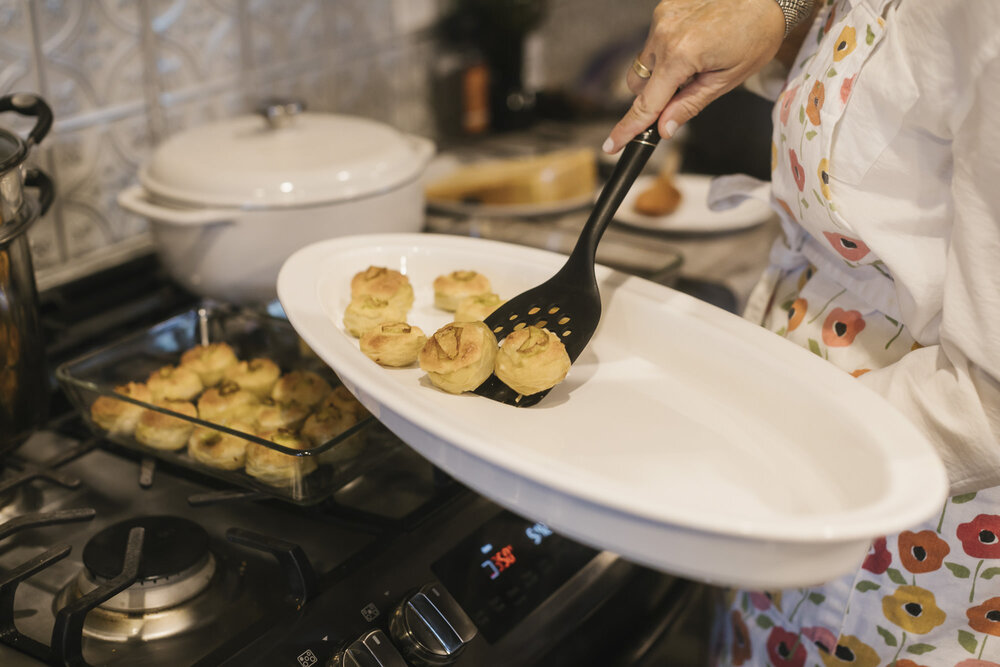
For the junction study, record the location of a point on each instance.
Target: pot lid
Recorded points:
(283, 159)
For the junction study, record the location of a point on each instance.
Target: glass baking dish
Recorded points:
(324, 468)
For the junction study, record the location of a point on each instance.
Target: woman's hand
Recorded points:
(697, 50)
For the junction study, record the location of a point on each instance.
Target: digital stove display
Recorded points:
(507, 568)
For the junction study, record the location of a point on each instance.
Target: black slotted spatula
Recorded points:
(569, 303)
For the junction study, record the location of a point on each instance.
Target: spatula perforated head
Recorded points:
(569, 310)
(569, 303)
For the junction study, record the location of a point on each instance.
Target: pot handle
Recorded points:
(36, 178)
(133, 199)
(29, 104)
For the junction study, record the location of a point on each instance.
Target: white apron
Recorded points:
(930, 595)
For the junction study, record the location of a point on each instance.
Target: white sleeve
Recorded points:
(952, 390)
(769, 81)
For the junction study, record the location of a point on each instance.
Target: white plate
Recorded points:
(693, 215)
(684, 437)
(443, 165)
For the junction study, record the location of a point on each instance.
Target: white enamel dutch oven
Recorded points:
(229, 201)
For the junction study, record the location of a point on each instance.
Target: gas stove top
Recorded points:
(109, 558)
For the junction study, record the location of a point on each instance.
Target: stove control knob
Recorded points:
(430, 627)
(372, 649)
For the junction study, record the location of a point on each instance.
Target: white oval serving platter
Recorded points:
(684, 438)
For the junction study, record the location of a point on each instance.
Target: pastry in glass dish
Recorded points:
(326, 424)
(219, 449)
(393, 343)
(227, 400)
(271, 415)
(452, 288)
(162, 431)
(345, 400)
(303, 387)
(119, 417)
(210, 361)
(531, 360)
(277, 468)
(174, 383)
(459, 356)
(257, 376)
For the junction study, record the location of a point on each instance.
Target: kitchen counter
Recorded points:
(721, 268)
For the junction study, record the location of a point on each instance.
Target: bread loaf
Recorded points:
(552, 177)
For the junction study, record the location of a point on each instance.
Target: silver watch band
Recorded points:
(795, 12)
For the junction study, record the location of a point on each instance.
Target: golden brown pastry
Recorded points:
(226, 401)
(304, 387)
(174, 383)
(382, 283)
(162, 431)
(531, 360)
(257, 376)
(550, 177)
(345, 400)
(271, 415)
(477, 307)
(393, 343)
(661, 198)
(453, 288)
(366, 312)
(210, 361)
(219, 449)
(327, 423)
(119, 417)
(277, 468)
(459, 356)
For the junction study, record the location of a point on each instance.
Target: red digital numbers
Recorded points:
(500, 561)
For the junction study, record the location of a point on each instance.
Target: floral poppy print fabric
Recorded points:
(930, 595)
(815, 97)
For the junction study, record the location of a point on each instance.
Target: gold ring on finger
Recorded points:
(641, 70)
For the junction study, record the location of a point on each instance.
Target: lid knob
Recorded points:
(280, 112)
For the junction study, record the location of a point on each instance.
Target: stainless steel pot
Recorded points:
(24, 385)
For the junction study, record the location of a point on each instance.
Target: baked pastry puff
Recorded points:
(303, 387)
(452, 288)
(257, 376)
(367, 311)
(459, 356)
(271, 415)
(393, 343)
(219, 449)
(163, 431)
(119, 417)
(227, 400)
(383, 283)
(477, 307)
(531, 360)
(345, 400)
(277, 468)
(209, 361)
(326, 424)
(174, 383)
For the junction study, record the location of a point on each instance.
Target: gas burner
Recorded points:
(178, 585)
(176, 563)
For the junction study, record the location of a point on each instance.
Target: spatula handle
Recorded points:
(634, 157)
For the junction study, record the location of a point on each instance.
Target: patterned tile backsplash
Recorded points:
(121, 75)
